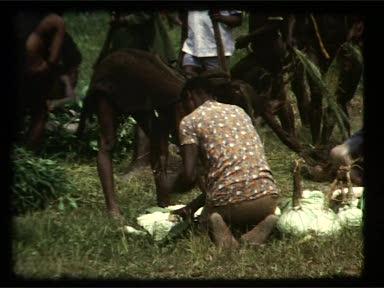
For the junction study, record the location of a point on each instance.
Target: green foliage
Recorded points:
(38, 182)
(61, 141)
(88, 30)
(125, 135)
(329, 83)
(85, 243)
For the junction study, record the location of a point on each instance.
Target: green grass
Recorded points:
(85, 243)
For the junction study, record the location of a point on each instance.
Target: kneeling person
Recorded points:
(239, 189)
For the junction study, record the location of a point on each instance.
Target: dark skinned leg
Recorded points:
(220, 233)
(315, 112)
(159, 155)
(141, 150)
(328, 125)
(107, 121)
(39, 88)
(349, 82)
(38, 120)
(315, 107)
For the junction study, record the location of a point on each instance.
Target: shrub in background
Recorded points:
(38, 182)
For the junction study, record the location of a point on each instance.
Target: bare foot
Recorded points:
(116, 215)
(222, 236)
(260, 233)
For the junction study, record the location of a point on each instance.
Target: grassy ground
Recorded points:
(84, 243)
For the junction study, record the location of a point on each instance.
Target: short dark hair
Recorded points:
(196, 83)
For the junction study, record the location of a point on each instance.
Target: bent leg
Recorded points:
(260, 233)
(348, 84)
(220, 233)
(244, 215)
(38, 120)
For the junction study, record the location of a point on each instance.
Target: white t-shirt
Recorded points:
(201, 38)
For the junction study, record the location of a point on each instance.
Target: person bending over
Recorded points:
(239, 190)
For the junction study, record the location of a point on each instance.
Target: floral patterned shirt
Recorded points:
(237, 166)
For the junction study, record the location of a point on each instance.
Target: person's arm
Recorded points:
(53, 24)
(69, 95)
(229, 20)
(186, 179)
(242, 41)
(189, 178)
(189, 153)
(189, 210)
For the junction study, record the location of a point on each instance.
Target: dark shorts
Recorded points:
(205, 63)
(243, 215)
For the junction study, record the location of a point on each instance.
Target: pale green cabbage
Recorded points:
(158, 224)
(350, 216)
(308, 219)
(161, 224)
(131, 230)
(309, 216)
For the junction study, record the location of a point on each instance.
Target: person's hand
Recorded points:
(185, 213)
(215, 15)
(241, 42)
(41, 68)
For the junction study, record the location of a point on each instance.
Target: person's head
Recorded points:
(195, 92)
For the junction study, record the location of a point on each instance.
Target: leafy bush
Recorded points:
(62, 142)
(125, 137)
(59, 140)
(38, 182)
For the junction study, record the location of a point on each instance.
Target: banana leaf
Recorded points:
(328, 83)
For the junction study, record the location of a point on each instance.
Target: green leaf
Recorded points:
(61, 205)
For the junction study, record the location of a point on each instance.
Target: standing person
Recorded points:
(263, 67)
(138, 30)
(239, 189)
(199, 45)
(47, 55)
(48, 58)
(321, 38)
(71, 59)
(144, 31)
